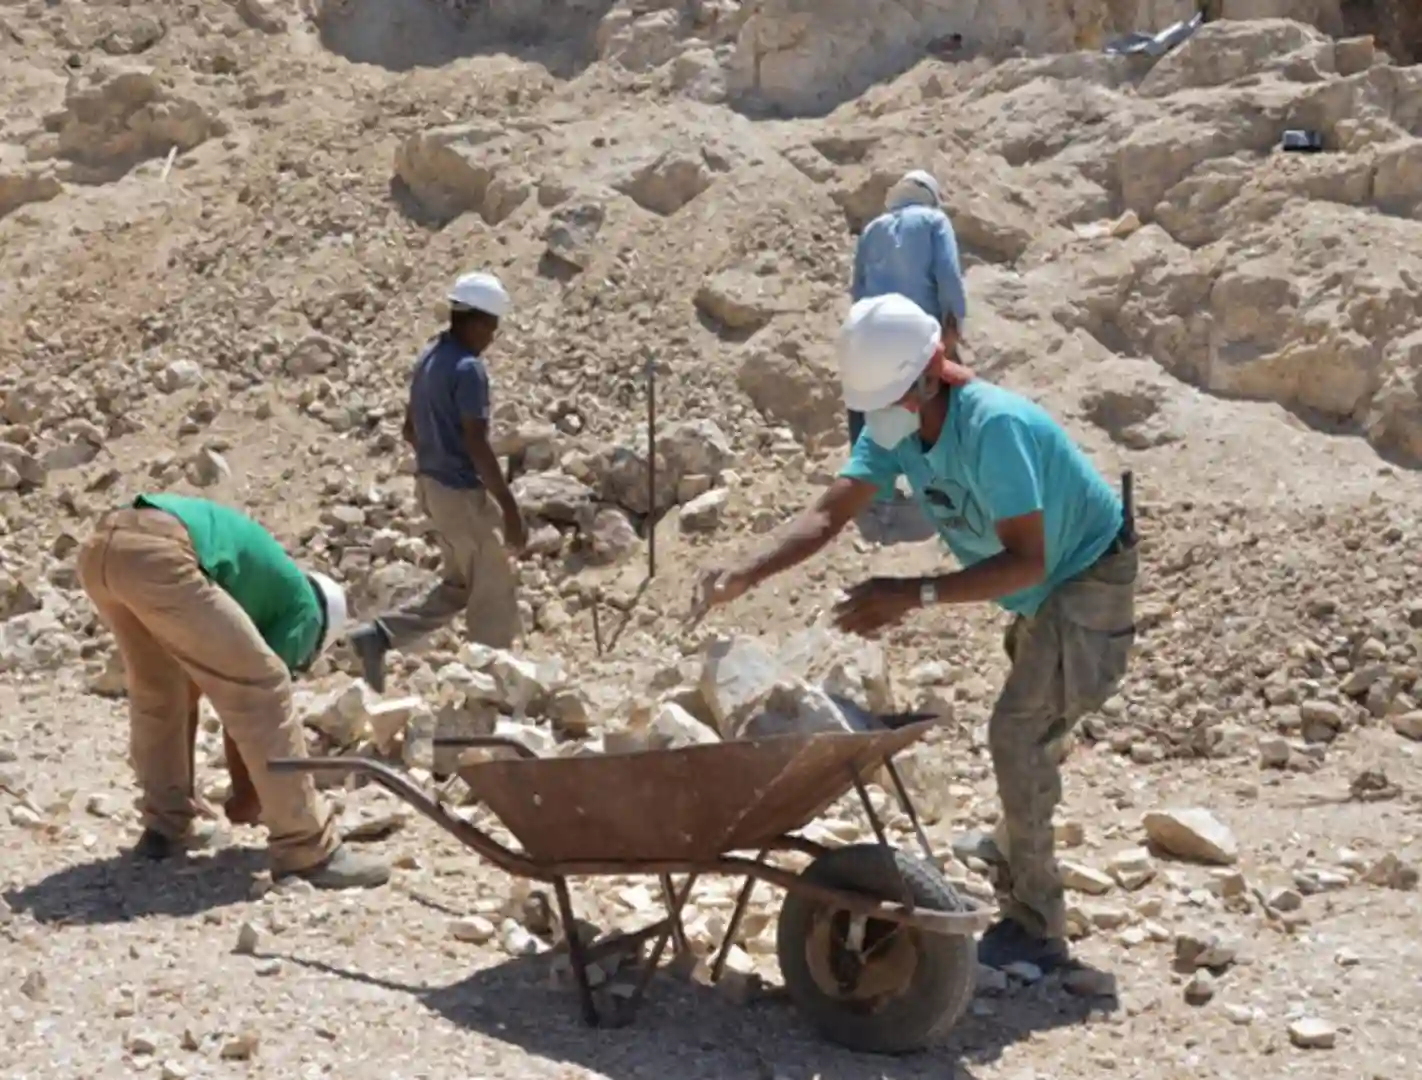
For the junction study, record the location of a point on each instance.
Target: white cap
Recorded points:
(884, 345)
(915, 186)
(482, 292)
(334, 598)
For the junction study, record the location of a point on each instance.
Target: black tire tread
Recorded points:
(874, 870)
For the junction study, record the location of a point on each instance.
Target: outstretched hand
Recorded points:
(716, 587)
(874, 605)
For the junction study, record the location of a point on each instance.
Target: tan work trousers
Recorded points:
(477, 576)
(1066, 661)
(182, 636)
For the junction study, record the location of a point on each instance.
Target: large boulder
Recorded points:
(791, 379)
(114, 118)
(463, 168)
(553, 497)
(687, 448)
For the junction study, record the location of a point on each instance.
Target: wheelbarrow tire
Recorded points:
(944, 971)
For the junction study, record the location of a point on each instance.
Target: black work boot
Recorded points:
(159, 846)
(371, 644)
(1008, 942)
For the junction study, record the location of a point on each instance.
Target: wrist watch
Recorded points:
(928, 593)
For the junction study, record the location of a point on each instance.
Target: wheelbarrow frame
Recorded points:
(557, 874)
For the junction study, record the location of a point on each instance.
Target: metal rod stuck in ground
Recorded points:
(595, 601)
(651, 370)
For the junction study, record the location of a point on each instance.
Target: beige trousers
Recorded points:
(477, 575)
(181, 636)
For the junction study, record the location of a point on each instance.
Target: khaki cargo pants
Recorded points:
(1066, 661)
(181, 637)
(477, 576)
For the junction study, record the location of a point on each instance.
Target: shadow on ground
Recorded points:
(515, 1002)
(123, 888)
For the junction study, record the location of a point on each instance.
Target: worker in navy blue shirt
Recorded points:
(460, 487)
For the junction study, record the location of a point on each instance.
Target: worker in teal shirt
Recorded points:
(203, 601)
(1036, 530)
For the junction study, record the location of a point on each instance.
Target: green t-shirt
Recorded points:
(246, 562)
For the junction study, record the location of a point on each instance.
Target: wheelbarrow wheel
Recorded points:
(878, 987)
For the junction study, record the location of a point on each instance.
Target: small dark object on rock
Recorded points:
(1373, 785)
(1303, 142)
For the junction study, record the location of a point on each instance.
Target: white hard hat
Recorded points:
(884, 345)
(333, 599)
(482, 292)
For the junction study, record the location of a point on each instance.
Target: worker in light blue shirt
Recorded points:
(910, 249)
(1036, 530)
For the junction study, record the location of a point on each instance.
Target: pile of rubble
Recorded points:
(818, 681)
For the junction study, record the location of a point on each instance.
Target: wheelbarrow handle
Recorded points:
(500, 742)
(403, 788)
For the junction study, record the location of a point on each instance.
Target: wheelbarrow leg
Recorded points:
(869, 811)
(678, 928)
(718, 966)
(577, 952)
(909, 809)
(881, 836)
(644, 978)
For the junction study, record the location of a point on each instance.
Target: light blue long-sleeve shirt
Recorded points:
(914, 252)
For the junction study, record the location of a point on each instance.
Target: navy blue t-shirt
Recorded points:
(449, 383)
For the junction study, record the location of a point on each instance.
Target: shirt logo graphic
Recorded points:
(950, 515)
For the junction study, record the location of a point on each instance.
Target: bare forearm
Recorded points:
(803, 537)
(991, 579)
(486, 464)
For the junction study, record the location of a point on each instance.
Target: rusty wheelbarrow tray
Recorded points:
(688, 811)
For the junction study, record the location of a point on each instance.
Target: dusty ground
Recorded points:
(1238, 326)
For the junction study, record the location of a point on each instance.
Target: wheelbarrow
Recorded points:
(875, 947)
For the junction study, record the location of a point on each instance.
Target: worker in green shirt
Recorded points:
(204, 601)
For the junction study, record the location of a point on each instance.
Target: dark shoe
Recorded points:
(346, 870)
(154, 845)
(371, 645)
(1008, 942)
(159, 846)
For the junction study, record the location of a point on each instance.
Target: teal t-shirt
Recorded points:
(1001, 456)
(247, 563)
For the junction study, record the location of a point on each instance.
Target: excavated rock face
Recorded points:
(1138, 252)
(1396, 25)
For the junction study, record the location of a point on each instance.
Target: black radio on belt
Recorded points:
(1128, 509)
